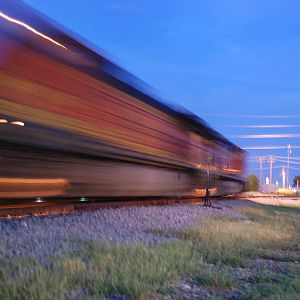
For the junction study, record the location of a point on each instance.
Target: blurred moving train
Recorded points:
(73, 124)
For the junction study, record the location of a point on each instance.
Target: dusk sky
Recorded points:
(236, 64)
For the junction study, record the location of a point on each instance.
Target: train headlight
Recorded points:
(17, 123)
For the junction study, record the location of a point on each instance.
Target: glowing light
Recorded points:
(6, 17)
(3, 121)
(17, 123)
(39, 200)
(231, 170)
(82, 199)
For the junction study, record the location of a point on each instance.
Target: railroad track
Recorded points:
(19, 209)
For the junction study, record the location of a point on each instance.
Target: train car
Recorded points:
(74, 124)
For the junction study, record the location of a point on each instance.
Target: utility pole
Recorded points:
(271, 168)
(289, 151)
(207, 201)
(283, 178)
(260, 173)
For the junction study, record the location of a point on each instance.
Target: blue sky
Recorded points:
(230, 62)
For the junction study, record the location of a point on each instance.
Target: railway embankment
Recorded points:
(47, 236)
(242, 251)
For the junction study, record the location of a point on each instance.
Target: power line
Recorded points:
(295, 168)
(268, 147)
(286, 161)
(278, 158)
(265, 168)
(294, 157)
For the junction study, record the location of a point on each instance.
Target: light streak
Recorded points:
(255, 116)
(263, 126)
(265, 136)
(267, 147)
(3, 121)
(18, 123)
(8, 18)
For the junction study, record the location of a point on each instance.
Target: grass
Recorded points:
(97, 271)
(279, 287)
(230, 241)
(213, 278)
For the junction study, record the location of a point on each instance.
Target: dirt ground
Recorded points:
(274, 200)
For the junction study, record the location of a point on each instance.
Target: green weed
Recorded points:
(213, 278)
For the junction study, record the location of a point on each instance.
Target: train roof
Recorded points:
(100, 67)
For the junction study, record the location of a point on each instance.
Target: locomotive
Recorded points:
(74, 124)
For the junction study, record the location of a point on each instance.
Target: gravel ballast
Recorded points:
(46, 236)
